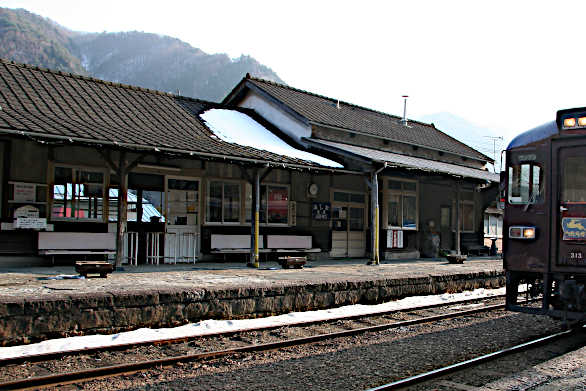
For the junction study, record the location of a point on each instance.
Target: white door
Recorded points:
(348, 224)
(183, 222)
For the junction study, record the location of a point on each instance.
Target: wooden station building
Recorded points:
(93, 168)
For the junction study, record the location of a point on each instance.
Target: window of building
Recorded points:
(574, 182)
(493, 225)
(274, 204)
(78, 193)
(223, 202)
(525, 184)
(402, 203)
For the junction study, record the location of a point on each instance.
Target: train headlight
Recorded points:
(522, 233)
(582, 121)
(569, 122)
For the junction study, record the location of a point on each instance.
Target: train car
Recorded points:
(543, 189)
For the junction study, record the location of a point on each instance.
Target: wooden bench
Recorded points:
(275, 244)
(233, 244)
(76, 243)
(473, 244)
(88, 267)
(291, 244)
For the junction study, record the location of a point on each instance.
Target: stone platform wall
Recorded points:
(26, 320)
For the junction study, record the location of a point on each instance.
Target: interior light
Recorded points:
(582, 121)
(529, 233)
(522, 232)
(569, 122)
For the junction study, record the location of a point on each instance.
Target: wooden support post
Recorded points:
(458, 251)
(256, 218)
(252, 216)
(374, 216)
(374, 220)
(122, 208)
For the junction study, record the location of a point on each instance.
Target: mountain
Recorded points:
(482, 139)
(32, 39)
(142, 59)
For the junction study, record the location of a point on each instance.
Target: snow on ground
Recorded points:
(238, 128)
(211, 326)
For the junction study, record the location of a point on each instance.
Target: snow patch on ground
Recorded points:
(211, 326)
(235, 127)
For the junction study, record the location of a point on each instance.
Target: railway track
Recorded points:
(382, 320)
(463, 365)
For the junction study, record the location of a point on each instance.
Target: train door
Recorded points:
(182, 239)
(348, 224)
(570, 207)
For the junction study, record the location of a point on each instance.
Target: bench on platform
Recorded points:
(233, 244)
(472, 245)
(291, 244)
(275, 244)
(76, 243)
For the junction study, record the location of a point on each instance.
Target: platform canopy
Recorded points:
(409, 162)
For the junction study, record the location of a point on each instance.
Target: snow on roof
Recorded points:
(238, 128)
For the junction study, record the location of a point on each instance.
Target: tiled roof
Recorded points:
(323, 110)
(410, 162)
(47, 104)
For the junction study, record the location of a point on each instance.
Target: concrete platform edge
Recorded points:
(29, 320)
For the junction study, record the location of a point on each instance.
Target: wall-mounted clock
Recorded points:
(313, 189)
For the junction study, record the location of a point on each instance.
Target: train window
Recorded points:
(574, 182)
(525, 185)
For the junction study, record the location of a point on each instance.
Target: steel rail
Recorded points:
(95, 373)
(422, 377)
(168, 341)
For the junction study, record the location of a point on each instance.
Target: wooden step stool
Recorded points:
(296, 262)
(94, 267)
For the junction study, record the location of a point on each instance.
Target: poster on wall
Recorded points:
(24, 192)
(321, 211)
(394, 238)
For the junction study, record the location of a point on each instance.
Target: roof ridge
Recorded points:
(101, 81)
(333, 99)
(430, 125)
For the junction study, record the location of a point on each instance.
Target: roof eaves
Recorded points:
(398, 141)
(152, 148)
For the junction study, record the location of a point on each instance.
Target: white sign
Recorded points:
(30, 223)
(24, 192)
(27, 211)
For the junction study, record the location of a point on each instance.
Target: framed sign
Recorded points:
(24, 192)
(321, 211)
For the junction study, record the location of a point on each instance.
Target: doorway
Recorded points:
(348, 224)
(182, 239)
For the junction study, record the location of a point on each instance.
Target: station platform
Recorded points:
(46, 302)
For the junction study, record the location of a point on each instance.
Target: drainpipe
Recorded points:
(374, 217)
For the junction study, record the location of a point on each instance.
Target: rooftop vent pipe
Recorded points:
(404, 120)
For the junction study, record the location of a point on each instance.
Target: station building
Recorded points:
(93, 168)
